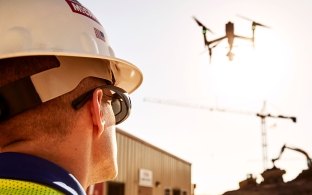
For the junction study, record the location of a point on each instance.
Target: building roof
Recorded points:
(122, 132)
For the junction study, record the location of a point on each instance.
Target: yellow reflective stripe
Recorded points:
(18, 187)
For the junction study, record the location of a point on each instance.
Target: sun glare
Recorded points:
(254, 72)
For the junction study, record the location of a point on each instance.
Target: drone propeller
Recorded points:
(253, 27)
(254, 23)
(202, 25)
(204, 31)
(258, 24)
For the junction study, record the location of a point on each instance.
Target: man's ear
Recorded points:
(97, 112)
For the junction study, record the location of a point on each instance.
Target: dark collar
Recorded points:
(30, 168)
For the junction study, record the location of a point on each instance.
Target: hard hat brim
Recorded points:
(127, 75)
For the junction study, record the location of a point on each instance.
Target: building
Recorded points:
(145, 169)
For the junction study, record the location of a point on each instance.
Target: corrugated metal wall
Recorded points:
(134, 154)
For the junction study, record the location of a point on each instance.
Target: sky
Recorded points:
(163, 40)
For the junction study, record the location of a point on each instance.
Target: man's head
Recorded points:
(60, 83)
(55, 122)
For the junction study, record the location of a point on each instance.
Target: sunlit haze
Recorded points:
(164, 41)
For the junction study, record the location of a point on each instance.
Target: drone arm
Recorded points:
(216, 40)
(242, 37)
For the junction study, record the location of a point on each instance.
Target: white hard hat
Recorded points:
(70, 32)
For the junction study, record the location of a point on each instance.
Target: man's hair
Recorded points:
(51, 118)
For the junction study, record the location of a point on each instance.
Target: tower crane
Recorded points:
(262, 115)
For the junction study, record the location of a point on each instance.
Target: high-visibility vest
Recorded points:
(19, 187)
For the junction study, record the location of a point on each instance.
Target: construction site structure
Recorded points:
(273, 183)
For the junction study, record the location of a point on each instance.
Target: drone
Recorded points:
(229, 35)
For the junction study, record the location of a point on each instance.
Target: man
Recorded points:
(61, 93)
